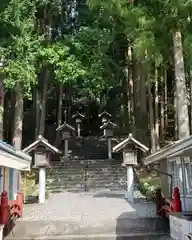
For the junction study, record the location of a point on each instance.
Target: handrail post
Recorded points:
(4, 208)
(176, 200)
(158, 200)
(20, 202)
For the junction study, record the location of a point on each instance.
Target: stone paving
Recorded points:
(92, 207)
(93, 215)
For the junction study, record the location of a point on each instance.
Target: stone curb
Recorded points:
(91, 236)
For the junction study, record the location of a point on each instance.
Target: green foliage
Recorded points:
(147, 190)
(86, 44)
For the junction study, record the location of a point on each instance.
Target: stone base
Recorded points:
(1, 231)
(180, 225)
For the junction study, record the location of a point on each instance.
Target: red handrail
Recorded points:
(165, 206)
(10, 209)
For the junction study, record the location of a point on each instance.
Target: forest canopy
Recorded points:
(130, 58)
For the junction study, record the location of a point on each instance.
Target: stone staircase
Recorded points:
(80, 175)
(87, 168)
(89, 148)
(101, 213)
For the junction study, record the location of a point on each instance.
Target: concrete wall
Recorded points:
(6, 180)
(2, 170)
(186, 203)
(165, 183)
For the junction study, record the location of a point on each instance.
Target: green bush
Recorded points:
(147, 190)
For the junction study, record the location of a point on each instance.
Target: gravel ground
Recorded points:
(92, 207)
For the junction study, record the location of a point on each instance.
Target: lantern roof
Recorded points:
(130, 140)
(109, 125)
(41, 141)
(78, 115)
(65, 126)
(105, 114)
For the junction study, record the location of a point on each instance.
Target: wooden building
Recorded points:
(175, 162)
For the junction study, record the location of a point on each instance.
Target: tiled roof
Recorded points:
(6, 144)
(11, 150)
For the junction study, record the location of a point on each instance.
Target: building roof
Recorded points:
(10, 149)
(76, 115)
(108, 124)
(130, 140)
(41, 141)
(105, 114)
(65, 126)
(179, 148)
(12, 158)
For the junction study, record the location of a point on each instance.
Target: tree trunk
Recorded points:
(181, 101)
(162, 107)
(18, 119)
(130, 88)
(190, 80)
(151, 118)
(37, 111)
(17, 135)
(59, 114)
(69, 107)
(1, 107)
(43, 105)
(157, 108)
(176, 136)
(166, 102)
(143, 105)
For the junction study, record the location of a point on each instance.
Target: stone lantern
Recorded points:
(132, 151)
(105, 117)
(108, 128)
(41, 150)
(66, 132)
(78, 118)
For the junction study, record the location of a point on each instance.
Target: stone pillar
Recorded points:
(130, 181)
(78, 129)
(66, 148)
(16, 180)
(109, 149)
(42, 184)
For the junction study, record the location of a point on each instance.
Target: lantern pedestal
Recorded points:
(130, 181)
(66, 148)
(109, 149)
(78, 130)
(132, 151)
(42, 184)
(108, 133)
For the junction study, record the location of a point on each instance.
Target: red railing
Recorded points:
(165, 206)
(10, 210)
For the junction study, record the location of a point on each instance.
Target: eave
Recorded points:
(171, 150)
(130, 140)
(41, 142)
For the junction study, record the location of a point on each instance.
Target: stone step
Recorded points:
(96, 175)
(117, 227)
(106, 160)
(128, 236)
(89, 182)
(106, 169)
(82, 163)
(82, 186)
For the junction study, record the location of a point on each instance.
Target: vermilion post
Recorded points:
(4, 208)
(20, 201)
(176, 200)
(158, 200)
